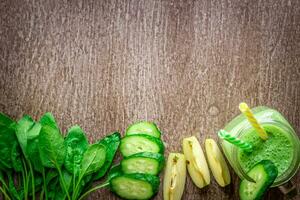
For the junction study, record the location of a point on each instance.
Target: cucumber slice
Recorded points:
(145, 162)
(137, 143)
(263, 173)
(148, 128)
(135, 186)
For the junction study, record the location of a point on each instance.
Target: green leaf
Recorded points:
(50, 179)
(1, 176)
(27, 129)
(2, 167)
(38, 183)
(85, 183)
(115, 170)
(27, 132)
(76, 144)
(51, 194)
(16, 157)
(7, 141)
(87, 180)
(51, 187)
(111, 142)
(51, 143)
(12, 188)
(93, 159)
(2, 179)
(65, 185)
(51, 174)
(5, 121)
(59, 194)
(38, 180)
(67, 178)
(34, 154)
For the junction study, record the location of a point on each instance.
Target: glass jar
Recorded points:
(266, 117)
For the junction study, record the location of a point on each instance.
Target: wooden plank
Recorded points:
(184, 64)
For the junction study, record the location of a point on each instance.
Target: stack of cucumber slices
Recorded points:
(136, 177)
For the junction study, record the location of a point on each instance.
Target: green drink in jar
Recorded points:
(282, 146)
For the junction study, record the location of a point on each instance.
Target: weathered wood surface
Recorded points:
(183, 64)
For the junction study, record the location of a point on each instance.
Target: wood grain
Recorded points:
(184, 64)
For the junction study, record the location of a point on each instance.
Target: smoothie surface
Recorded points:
(278, 148)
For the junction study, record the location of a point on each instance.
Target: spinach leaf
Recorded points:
(7, 141)
(85, 184)
(38, 182)
(68, 180)
(2, 166)
(114, 171)
(111, 142)
(93, 159)
(34, 154)
(51, 193)
(16, 157)
(2, 180)
(51, 146)
(51, 174)
(59, 194)
(5, 121)
(76, 144)
(27, 132)
(1, 177)
(51, 143)
(27, 129)
(52, 187)
(12, 188)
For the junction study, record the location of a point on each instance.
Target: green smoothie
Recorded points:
(278, 148)
(282, 147)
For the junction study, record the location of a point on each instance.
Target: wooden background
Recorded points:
(184, 64)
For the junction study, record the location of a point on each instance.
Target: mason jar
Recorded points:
(267, 117)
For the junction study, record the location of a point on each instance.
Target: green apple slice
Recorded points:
(217, 163)
(174, 178)
(196, 162)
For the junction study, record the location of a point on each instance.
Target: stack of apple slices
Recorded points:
(194, 159)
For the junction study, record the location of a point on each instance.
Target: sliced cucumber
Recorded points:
(145, 162)
(137, 143)
(263, 173)
(135, 186)
(143, 127)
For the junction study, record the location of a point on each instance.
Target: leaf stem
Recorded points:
(63, 181)
(4, 193)
(32, 180)
(24, 183)
(94, 188)
(42, 194)
(19, 178)
(4, 184)
(45, 184)
(25, 180)
(76, 187)
(74, 176)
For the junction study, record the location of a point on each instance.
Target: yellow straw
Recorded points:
(244, 108)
